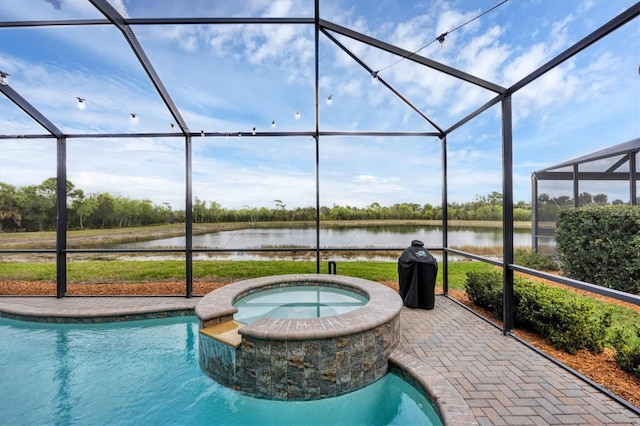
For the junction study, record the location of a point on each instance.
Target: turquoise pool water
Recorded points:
(297, 302)
(147, 373)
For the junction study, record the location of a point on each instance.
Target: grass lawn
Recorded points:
(119, 271)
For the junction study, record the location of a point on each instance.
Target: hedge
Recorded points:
(535, 260)
(627, 346)
(601, 245)
(569, 323)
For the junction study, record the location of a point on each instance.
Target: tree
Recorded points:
(199, 209)
(544, 198)
(85, 207)
(38, 204)
(281, 212)
(9, 208)
(584, 199)
(600, 199)
(105, 211)
(215, 210)
(495, 198)
(564, 201)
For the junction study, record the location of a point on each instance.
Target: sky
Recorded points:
(235, 77)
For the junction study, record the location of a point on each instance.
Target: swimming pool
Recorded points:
(146, 372)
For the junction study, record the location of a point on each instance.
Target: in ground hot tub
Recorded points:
(288, 358)
(298, 301)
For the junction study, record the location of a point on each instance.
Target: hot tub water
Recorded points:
(297, 302)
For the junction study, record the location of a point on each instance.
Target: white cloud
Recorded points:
(484, 55)
(449, 19)
(187, 37)
(559, 37)
(119, 6)
(586, 5)
(411, 35)
(374, 185)
(554, 88)
(524, 64)
(25, 163)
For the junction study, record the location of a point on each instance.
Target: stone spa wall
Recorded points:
(301, 359)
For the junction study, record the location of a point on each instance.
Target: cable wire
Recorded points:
(441, 37)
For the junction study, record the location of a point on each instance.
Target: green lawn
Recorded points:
(149, 271)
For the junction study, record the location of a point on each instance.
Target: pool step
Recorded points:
(225, 332)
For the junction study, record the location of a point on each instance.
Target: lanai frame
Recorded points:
(626, 154)
(502, 96)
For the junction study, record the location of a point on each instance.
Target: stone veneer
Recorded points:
(302, 359)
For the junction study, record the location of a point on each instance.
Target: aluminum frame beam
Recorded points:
(382, 81)
(445, 216)
(206, 20)
(316, 112)
(188, 215)
(474, 114)
(118, 20)
(54, 23)
(61, 217)
(155, 21)
(630, 147)
(618, 163)
(22, 103)
(535, 226)
(508, 313)
(633, 177)
(219, 135)
(621, 19)
(582, 176)
(461, 75)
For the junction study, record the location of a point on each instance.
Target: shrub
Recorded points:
(627, 346)
(568, 321)
(535, 260)
(600, 245)
(484, 288)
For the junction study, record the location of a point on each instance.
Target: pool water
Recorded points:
(297, 302)
(146, 372)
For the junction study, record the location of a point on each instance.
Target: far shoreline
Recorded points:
(96, 238)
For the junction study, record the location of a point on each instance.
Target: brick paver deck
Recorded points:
(503, 381)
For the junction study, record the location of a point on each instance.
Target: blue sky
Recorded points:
(231, 78)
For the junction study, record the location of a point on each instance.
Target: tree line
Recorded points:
(548, 207)
(33, 208)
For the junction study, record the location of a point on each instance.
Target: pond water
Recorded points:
(384, 236)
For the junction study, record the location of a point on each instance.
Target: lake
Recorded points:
(383, 236)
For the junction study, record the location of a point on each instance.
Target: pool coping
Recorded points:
(452, 407)
(94, 309)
